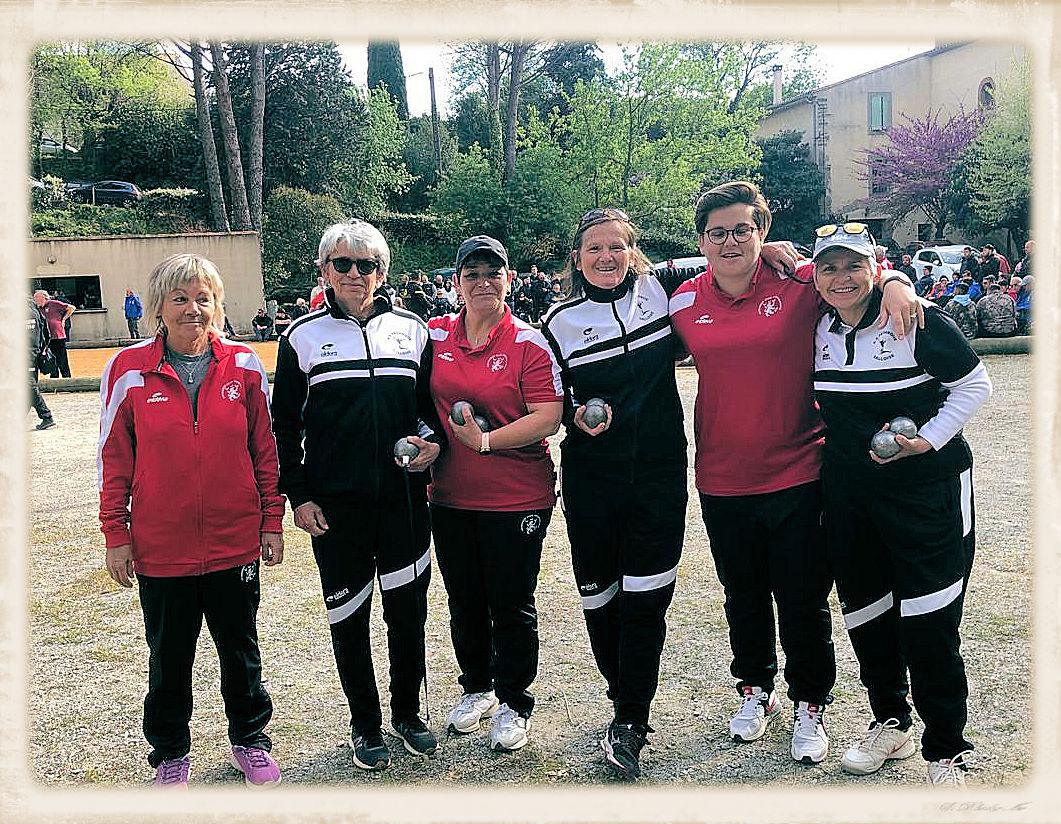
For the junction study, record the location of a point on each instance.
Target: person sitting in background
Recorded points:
(262, 325)
(1024, 305)
(281, 321)
(556, 293)
(299, 309)
(1014, 287)
(938, 290)
(975, 290)
(996, 313)
(962, 310)
(925, 282)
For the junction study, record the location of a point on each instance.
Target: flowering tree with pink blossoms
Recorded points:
(913, 170)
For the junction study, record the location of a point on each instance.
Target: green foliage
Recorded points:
(470, 121)
(52, 196)
(151, 144)
(292, 224)
(385, 70)
(419, 158)
(792, 185)
(82, 220)
(189, 203)
(470, 199)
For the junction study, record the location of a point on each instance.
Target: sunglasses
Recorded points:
(342, 265)
(832, 228)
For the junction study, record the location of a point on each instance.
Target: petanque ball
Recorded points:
(458, 411)
(903, 426)
(481, 422)
(403, 448)
(884, 445)
(595, 413)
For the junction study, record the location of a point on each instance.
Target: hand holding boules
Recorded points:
(591, 411)
(415, 454)
(903, 426)
(887, 446)
(470, 430)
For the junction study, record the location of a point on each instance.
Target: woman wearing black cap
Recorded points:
(492, 493)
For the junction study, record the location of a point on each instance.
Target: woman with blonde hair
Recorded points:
(188, 503)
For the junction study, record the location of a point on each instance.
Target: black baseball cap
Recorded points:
(481, 243)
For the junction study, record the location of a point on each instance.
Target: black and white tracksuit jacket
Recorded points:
(624, 492)
(901, 535)
(345, 391)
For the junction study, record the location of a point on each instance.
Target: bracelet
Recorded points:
(890, 278)
(484, 447)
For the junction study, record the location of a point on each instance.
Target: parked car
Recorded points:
(113, 192)
(53, 148)
(944, 260)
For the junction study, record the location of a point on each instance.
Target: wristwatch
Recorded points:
(484, 447)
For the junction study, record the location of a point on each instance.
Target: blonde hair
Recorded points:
(175, 271)
(639, 262)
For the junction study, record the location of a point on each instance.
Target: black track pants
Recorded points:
(361, 543)
(767, 548)
(174, 609)
(626, 540)
(36, 399)
(902, 559)
(489, 562)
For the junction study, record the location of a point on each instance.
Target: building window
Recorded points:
(82, 291)
(985, 96)
(880, 111)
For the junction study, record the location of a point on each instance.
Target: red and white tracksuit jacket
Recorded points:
(203, 487)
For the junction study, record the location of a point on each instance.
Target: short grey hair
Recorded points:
(363, 239)
(175, 271)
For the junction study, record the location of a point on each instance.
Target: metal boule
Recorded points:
(594, 414)
(404, 448)
(459, 411)
(884, 445)
(903, 426)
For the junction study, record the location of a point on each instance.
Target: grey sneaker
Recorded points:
(47, 423)
(370, 753)
(757, 709)
(948, 772)
(882, 742)
(470, 711)
(508, 730)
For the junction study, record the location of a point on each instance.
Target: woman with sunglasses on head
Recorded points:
(750, 331)
(900, 529)
(613, 341)
(492, 493)
(352, 378)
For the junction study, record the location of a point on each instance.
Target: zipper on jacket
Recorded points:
(626, 360)
(372, 394)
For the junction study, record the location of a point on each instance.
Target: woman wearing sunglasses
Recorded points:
(901, 557)
(351, 380)
(750, 330)
(492, 494)
(613, 341)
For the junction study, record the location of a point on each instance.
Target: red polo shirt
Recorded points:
(513, 368)
(756, 424)
(55, 312)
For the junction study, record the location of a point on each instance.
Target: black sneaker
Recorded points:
(47, 423)
(370, 753)
(622, 745)
(418, 739)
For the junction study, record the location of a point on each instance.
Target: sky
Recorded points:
(838, 63)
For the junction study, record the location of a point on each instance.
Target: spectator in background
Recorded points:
(134, 310)
(989, 263)
(970, 265)
(996, 313)
(556, 294)
(523, 303)
(907, 268)
(925, 282)
(417, 301)
(450, 292)
(1024, 265)
(299, 309)
(962, 310)
(262, 325)
(38, 350)
(939, 288)
(316, 296)
(1014, 287)
(281, 321)
(881, 253)
(1024, 306)
(56, 312)
(975, 291)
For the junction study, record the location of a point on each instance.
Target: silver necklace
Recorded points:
(190, 368)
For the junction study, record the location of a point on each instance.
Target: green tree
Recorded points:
(792, 184)
(154, 144)
(292, 225)
(470, 199)
(419, 157)
(469, 122)
(385, 69)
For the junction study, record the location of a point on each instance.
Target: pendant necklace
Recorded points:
(189, 369)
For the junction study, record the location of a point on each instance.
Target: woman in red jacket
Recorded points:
(185, 439)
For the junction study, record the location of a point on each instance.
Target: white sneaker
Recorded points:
(471, 710)
(810, 742)
(882, 742)
(756, 711)
(948, 772)
(508, 730)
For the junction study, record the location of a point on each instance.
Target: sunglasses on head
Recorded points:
(600, 215)
(342, 265)
(832, 228)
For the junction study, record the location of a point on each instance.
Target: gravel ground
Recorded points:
(89, 660)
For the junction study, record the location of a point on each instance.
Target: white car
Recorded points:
(944, 260)
(687, 265)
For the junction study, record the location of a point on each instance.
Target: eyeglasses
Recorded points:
(830, 229)
(600, 215)
(742, 233)
(342, 265)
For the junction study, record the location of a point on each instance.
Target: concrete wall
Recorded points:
(125, 262)
(947, 79)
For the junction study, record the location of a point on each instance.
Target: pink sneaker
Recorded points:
(257, 766)
(173, 773)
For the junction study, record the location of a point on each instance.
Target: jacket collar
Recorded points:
(598, 295)
(380, 303)
(872, 311)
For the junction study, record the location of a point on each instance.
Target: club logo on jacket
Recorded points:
(248, 572)
(328, 350)
(883, 341)
(644, 312)
(446, 356)
(770, 306)
(232, 391)
(402, 342)
(530, 524)
(498, 363)
(825, 352)
(158, 397)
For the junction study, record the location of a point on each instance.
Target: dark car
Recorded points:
(112, 192)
